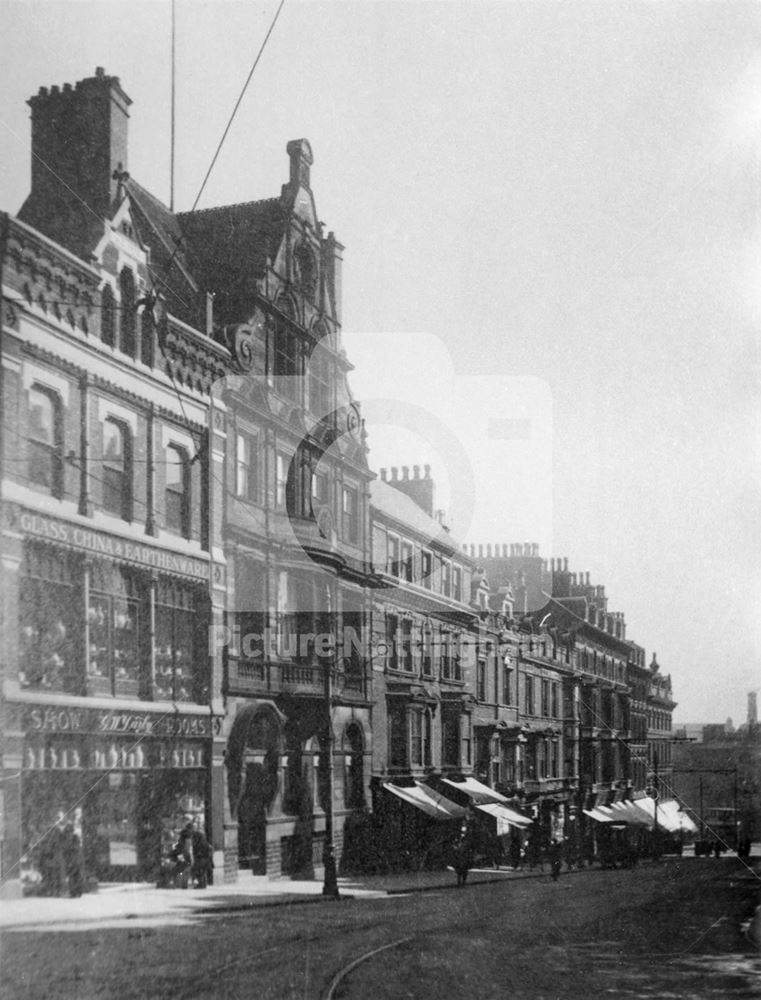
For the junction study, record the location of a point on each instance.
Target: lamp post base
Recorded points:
(330, 877)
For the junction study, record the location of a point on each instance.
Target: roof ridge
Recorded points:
(237, 204)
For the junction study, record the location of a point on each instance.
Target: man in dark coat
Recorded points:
(203, 863)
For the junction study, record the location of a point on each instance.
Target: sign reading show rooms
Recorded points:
(100, 543)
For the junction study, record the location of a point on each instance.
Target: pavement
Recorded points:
(128, 904)
(141, 903)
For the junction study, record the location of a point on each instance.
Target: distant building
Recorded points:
(718, 778)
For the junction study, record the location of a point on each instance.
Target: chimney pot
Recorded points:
(55, 89)
(488, 551)
(99, 71)
(480, 551)
(427, 471)
(416, 472)
(565, 565)
(67, 88)
(383, 475)
(394, 473)
(504, 551)
(405, 472)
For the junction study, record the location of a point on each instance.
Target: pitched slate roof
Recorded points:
(228, 248)
(402, 509)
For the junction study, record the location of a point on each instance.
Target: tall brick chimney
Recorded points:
(79, 148)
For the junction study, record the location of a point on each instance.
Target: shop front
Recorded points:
(126, 781)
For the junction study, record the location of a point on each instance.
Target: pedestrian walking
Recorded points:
(462, 854)
(203, 862)
(515, 851)
(556, 858)
(182, 855)
(50, 859)
(73, 862)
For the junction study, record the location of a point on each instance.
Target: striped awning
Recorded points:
(427, 800)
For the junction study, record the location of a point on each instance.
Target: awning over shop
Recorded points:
(476, 791)
(628, 812)
(669, 815)
(506, 818)
(426, 799)
(599, 816)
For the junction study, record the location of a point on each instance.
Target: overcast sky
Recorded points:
(550, 214)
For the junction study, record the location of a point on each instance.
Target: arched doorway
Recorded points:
(253, 766)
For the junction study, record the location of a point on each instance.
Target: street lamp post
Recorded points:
(330, 879)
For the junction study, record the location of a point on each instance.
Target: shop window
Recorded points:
(128, 312)
(181, 620)
(50, 632)
(45, 440)
(246, 467)
(113, 619)
(177, 491)
(350, 514)
(107, 317)
(117, 469)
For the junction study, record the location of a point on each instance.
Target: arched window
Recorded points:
(305, 271)
(286, 364)
(117, 469)
(128, 312)
(147, 337)
(177, 493)
(107, 317)
(45, 440)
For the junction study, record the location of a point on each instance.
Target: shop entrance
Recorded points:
(253, 766)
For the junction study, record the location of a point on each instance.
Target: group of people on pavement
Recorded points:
(60, 859)
(190, 862)
(469, 842)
